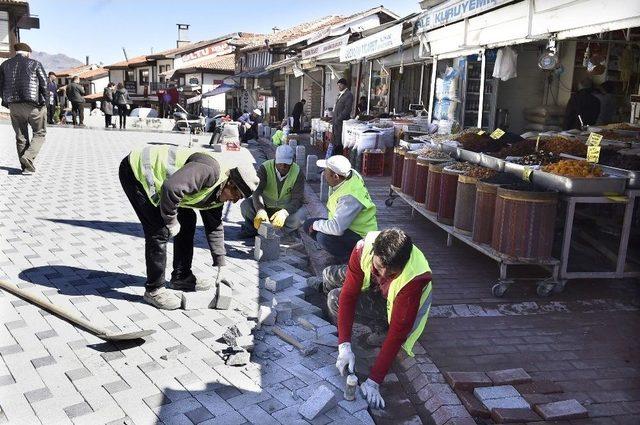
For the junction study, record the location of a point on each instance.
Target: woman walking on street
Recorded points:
(121, 100)
(107, 104)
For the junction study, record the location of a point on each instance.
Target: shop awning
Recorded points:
(282, 63)
(222, 88)
(375, 44)
(254, 73)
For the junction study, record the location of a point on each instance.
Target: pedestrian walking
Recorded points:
(341, 112)
(52, 101)
(75, 94)
(107, 104)
(298, 112)
(23, 85)
(121, 100)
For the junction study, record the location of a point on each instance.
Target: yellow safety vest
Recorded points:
(272, 198)
(152, 165)
(365, 221)
(416, 266)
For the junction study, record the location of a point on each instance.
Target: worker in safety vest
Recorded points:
(352, 213)
(165, 184)
(389, 279)
(279, 197)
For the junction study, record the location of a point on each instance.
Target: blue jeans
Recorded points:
(338, 246)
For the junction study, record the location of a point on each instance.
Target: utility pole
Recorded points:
(125, 54)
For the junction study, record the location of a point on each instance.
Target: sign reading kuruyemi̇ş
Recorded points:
(369, 46)
(453, 11)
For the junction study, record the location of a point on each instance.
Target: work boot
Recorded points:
(163, 298)
(27, 166)
(190, 284)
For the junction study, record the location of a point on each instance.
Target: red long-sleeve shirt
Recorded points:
(405, 310)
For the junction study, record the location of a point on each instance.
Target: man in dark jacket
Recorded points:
(341, 112)
(584, 104)
(298, 111)
(165, 184)
(75, 94)
(23, 85)
(52, 101)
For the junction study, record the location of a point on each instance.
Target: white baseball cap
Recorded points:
(284, 155)
(337, 163)
(257, 112)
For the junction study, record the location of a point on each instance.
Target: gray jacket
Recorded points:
(341, 112)
(107, 101)
(75, 93)
(23, 80)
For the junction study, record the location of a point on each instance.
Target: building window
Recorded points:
(144, 77)
(129, 75)
(4, 32)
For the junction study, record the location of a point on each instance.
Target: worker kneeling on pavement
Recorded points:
(279, 197)
(352, 213)
(165, 184)
(388, 279)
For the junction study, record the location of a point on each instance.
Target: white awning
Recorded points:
(375, 44)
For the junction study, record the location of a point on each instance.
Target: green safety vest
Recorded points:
(277, 137)
(272, 198)
(365, 221)
(416, 266)
(152, 165)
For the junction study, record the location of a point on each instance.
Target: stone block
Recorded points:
(472, 404)
(293, 143)
(539, 387)
(225, 295)
(507, 403)
(217, 147)
(509, 376)
(266, 249)
(278, 282)
(266, 316)
(467, 380)
(324, 189)
(245, 342)
(199, 299)
(505, 416)
(489, 393)
(301, 153)
(561, 410)
(312, 173)
(322, 400)
(283, 313)
(266, 230)
(239, 358)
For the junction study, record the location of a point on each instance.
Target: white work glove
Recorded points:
(345, 358)
(174, 229)
(371, 391)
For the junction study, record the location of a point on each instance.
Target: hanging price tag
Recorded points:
(593, 153)
(537, 143)
(594, 139)
(480, 133)
(497, 133)
(526, 174)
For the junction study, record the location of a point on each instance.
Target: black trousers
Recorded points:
(107, 120)
(156, 234)
(296, 124)
(122, 113)
(78, 112)
(51, 109)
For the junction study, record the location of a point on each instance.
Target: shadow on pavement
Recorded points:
(11, 170)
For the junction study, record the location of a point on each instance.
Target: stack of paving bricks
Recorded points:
(510, 395)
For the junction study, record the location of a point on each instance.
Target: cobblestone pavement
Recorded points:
(69, 234)
(585, 339)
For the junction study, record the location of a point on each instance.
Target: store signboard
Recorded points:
(372, 45)
(323, 48)
(209, 51)
(453, 11)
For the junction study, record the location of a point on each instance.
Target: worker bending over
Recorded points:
(279, 197)
(389, 279)
(165, 184)
(352, 213)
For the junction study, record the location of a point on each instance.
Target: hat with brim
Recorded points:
(244, 177)
(284, 155)
(337, 163)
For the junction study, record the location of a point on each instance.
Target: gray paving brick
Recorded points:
(168, 325)
(199, 415)
(38, 395)
(10, 349)
(202, 334)
(46, 334)
(116, 386)
(77, 410)
(6, 380)
(16, 324)
(43, 361)
(149, 367)
(228, 392)
(111, 356)
(156, 400)
(77, 374)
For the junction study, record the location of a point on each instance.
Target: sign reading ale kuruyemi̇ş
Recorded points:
(453, 11)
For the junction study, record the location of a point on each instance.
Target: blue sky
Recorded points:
(100, 28)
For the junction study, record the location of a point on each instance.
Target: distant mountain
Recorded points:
(55, 62)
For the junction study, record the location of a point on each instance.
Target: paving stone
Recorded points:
(6, 380)
(16, 324)
(199, 300)
(77, 374)
(156, 400)
(472, 404)
(322, 400)
(167, 326)
(199, 415)
(461, 421)
(356, 405)
(116, 386)
(488, 393)
(266, 316)
(38, 395)
(271, 405)
(509, 376)
(446, 413)
(224, 297)
(467, 380)
(46, 334)
(203, 334)
(278, 282)
(266, 249)
(239, 359)
(43, 361)
(10, 349)
(539, 387)
(561, 410)
(266, 230)
(503, 416)
(77, 410)
(111, 356)
(506, 403)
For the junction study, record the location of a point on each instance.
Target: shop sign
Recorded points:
(323, 48)
(131, 86)
(374, 44)
(213, 50)
(594, 139)
(497, 133)
(593, 153)
(453, 11)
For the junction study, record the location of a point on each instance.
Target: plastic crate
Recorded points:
(373, 163)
